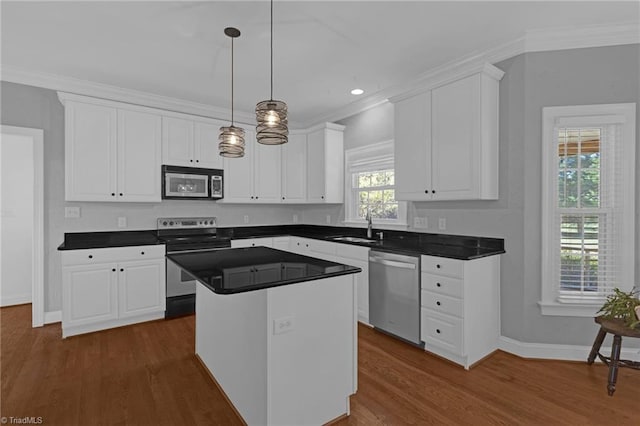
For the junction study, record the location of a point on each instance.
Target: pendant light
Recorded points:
(272, 115)
(231, 138)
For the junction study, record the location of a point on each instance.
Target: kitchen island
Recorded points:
(277, 332)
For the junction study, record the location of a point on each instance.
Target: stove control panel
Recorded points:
(186, 222)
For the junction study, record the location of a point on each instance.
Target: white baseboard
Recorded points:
(560, 352)
(20, 299)
(51, 317)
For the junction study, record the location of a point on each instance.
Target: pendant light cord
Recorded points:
(271, 49)
(231, 81)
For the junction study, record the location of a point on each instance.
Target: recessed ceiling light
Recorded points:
(357, 92)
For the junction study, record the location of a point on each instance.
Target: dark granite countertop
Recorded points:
(404, 242)
(88, 240)
(254, 268)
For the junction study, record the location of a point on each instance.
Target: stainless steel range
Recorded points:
(181, 235)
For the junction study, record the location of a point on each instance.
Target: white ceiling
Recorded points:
(321, 49)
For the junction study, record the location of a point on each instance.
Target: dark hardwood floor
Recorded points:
(147, 374)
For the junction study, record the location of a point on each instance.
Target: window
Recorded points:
(370, 186)
(588, 206)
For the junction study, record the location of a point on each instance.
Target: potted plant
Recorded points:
(625, 306)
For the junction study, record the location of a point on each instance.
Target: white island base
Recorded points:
(284, 355)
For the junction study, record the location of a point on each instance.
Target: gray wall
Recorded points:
(27, 106)
(531, 81)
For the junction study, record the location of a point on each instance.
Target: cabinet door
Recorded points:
(206, 145)
(268, 173)
(238, 174)
(141, 288)
(177, 142)
(139, 156)
(315, 167)
(362, 282)
(413, 148)
(89, 294)
(90, 152)
(294, 169)
(456, 139)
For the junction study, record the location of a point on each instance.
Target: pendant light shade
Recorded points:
(231, 137)
(271, 115)
(231, 142)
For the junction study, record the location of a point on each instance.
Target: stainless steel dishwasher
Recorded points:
(394, 294)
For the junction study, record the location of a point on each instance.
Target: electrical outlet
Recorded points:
(283, 325)
(72, 212)
(442, 223)
(420, 222)
(329, 219)
(122, 222)
(295, 218)
(246, 218)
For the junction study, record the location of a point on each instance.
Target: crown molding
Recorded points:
(531, 41)
(583, 37)
(118, 94)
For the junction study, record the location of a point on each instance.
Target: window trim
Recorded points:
(358, 159)
(585, 115)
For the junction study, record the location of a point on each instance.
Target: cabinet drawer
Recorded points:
(111, 254)
(443, 266)
(443, 285)
(441, 303)
(323, 247)
(442, 331)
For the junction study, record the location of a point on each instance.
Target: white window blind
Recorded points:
(588, 199)
(370, 185)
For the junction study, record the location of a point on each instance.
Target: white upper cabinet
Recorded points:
(254, 178)
(294, 169)
(325, 164)
(111, 153)
(138, 156)
(413, 147)
(446, 139)
(238, 174)
(205, 144)
(190, 143)
(177, 142)
(268, 172)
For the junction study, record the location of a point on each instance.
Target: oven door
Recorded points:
(179, 283)
(185, 186)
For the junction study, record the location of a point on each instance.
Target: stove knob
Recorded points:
(171, 223)
(164, 223)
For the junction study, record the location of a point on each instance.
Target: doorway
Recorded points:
(21, 219)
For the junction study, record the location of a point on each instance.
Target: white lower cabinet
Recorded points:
(252, 242)
(357, 256)
(110, 287)
(460, 307)
(342, 253)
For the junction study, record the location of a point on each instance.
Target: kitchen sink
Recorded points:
(355, 240)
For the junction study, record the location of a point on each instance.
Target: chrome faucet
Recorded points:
(369, 225)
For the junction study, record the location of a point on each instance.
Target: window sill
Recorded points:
(569, 309)
(377, 225)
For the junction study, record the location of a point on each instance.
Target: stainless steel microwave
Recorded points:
(191, 183)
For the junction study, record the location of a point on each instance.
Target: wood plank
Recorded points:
(149, 374)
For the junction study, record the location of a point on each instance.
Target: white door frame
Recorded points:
(37, 289)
